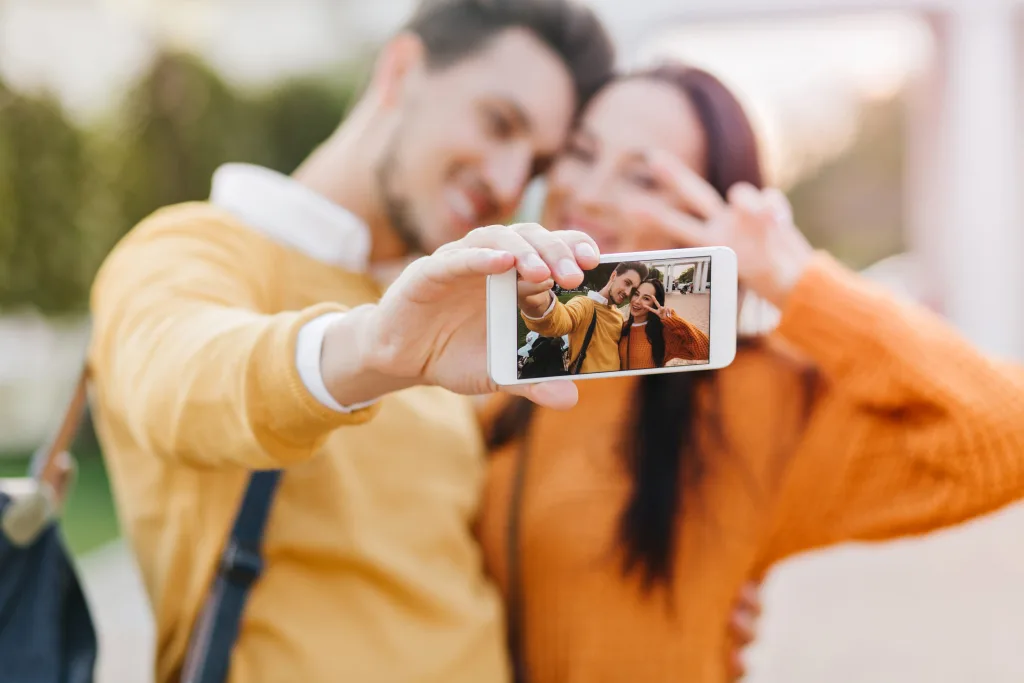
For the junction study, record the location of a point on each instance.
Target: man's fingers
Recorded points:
(539, 253)
(686, 185)
(588, 254)
(525, 288)
(527, 261)
(449, 266)
(556, 394)
(566, 252)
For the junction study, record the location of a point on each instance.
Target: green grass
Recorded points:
(89, 520)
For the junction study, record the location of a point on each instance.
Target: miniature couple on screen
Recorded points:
(616, 320)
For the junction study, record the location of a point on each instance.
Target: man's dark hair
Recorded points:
(635, 266)
(452, 30)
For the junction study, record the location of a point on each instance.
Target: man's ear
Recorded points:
(401, 59)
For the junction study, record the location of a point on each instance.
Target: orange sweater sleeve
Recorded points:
(913, 428)
(183, 358)
(684, 340)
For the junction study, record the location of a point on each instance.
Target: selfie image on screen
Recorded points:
(623, 316)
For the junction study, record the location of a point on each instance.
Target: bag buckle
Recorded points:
(241, 566)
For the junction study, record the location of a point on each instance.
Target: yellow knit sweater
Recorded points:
(574, 319)
(372, 571)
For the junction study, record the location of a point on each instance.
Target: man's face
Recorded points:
(470, 137)
(623, 286)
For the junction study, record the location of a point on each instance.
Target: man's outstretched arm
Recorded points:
(552, 318)
(183, 359)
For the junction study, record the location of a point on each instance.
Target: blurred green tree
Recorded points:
(44, 184)
(300, 114)
(177, 125)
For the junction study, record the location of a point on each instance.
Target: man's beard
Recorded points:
(399, 212)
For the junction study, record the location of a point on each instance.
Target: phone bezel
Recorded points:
(502, 312)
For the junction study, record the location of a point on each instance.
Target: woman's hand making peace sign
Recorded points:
(657, 309)
(757, 224)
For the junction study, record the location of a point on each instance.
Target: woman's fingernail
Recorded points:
(567, 268)
(584, 250)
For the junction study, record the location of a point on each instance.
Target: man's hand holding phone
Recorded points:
(430, 327)
(534, 297)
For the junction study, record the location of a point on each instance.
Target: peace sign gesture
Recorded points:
(657, 309)
(756, 224)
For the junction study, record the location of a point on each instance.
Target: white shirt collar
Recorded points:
(292, 214)
(598, 297)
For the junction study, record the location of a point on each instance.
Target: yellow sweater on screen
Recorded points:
(372, 573)
(574, 319)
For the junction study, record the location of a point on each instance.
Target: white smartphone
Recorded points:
(636, 313)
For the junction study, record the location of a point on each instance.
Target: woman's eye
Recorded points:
(578, 151)
(643, 180)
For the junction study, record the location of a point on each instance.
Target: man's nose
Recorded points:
(508, 174)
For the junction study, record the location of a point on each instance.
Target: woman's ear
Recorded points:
(400, 61)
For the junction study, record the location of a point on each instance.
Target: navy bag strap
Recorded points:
(209, 654)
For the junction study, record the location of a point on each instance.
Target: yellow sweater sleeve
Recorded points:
(912, 428)
(563, 318)
(183, 358)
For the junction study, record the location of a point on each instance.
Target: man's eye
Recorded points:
(500, 126)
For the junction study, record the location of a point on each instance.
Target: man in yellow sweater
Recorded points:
(253, 332)
(544, 314)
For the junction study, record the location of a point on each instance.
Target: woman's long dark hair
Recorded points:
(654, 329)
(663, 453)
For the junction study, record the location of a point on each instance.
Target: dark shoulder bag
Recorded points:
(213, 637)
(577, 364)
(47, 633)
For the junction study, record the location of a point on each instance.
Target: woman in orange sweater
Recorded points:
(622, 530)
(654, 335)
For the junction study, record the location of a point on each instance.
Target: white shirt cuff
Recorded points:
(307, 359)
(546, 313)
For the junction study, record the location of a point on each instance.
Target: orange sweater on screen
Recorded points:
(860, 419)
(683, 341)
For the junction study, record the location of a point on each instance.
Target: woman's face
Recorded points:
(643, 300)
(603, 166)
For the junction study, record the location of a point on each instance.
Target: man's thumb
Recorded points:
(557, 394)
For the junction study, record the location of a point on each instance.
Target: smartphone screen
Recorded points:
(625, 315)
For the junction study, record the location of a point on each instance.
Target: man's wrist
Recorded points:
(541, 310)
(347, 360)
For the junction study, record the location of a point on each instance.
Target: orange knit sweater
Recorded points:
(683, 340)
(906, 428)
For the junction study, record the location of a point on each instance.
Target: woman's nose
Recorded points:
(594, 188)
